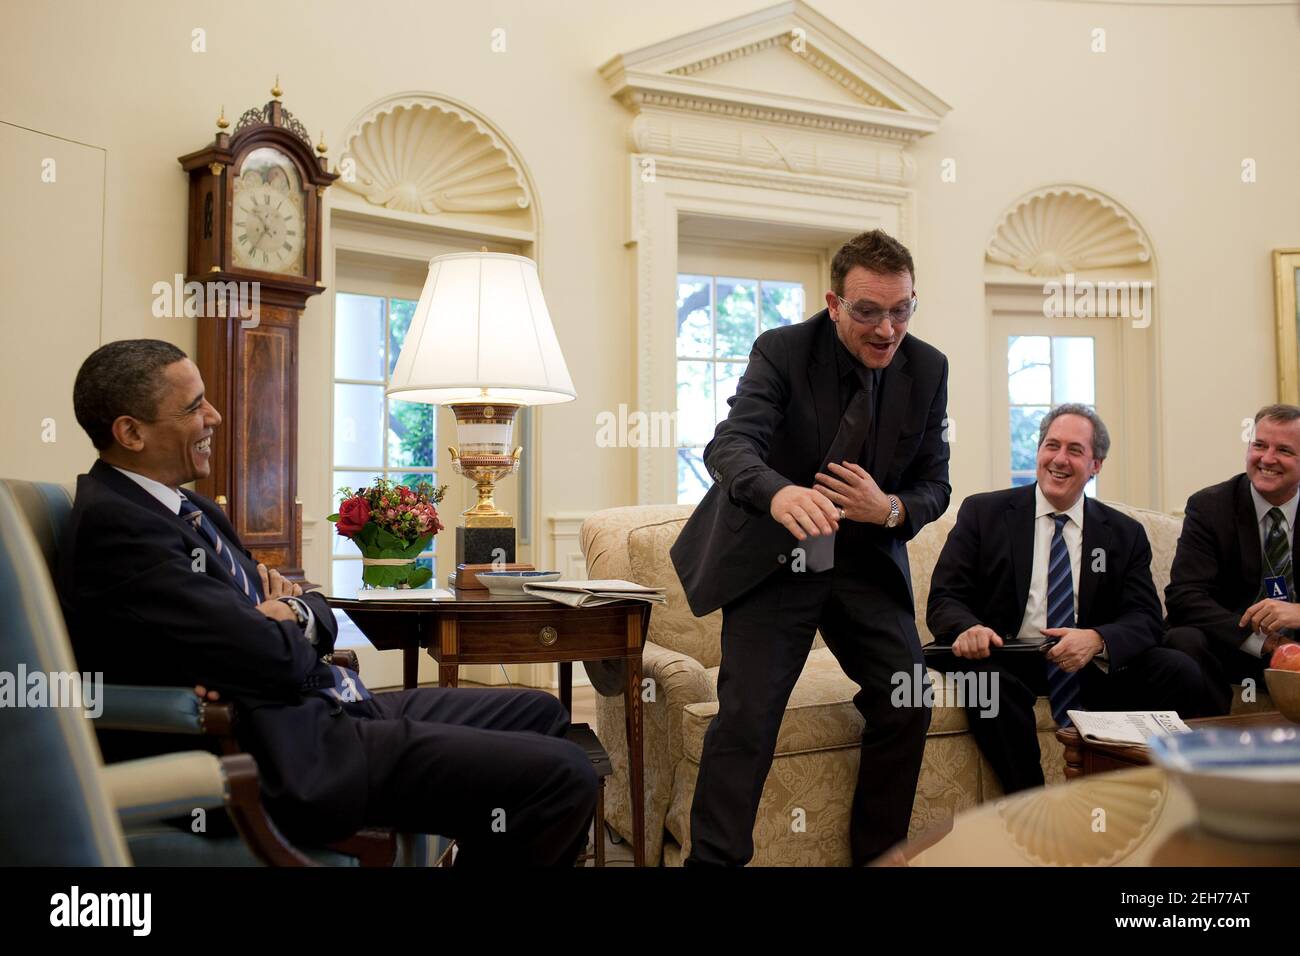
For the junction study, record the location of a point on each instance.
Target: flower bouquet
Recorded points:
(391, 524)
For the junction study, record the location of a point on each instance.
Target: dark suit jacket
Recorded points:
(983, 574)
(783, 418)
(1218, 567)
(139, 612)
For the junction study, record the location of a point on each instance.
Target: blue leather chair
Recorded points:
(60, 805)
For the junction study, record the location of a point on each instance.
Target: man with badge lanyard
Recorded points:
(1231, 599)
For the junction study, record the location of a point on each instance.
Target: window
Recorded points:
(1042, 371)
(374, 435)
(718, 318)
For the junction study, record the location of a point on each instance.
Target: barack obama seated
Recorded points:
(157, 589)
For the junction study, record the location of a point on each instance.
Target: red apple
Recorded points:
(1286, 657)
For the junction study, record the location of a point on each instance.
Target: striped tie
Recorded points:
(1063, 689)
(191, 513)
(1277, 553)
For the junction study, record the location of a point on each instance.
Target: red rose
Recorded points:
(353, 515)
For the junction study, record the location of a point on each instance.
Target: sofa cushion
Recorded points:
(1162, 532)
(820, 715)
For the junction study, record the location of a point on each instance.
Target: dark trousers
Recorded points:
(766, 636)
(1220, 666)
(490, 768)
(1007, 735)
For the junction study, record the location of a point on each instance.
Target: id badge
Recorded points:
(1275, 589)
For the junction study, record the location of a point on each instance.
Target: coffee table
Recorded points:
(1084, 757)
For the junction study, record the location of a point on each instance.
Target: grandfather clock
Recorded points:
(255, 221)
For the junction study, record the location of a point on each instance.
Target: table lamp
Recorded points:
(481, 342)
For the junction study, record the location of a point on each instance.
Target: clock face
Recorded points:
(269, 222)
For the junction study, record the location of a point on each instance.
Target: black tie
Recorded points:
(846, 445)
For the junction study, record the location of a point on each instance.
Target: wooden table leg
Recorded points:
(566, 685)
(598, 827)
(448, 675)
(636, 754)
(410, 667)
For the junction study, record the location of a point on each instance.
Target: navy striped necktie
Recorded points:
(225, 553)
(1063, 689)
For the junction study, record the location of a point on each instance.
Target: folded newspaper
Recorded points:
(1127, 727)
(595, 593)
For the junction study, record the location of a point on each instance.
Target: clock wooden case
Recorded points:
(255, 203)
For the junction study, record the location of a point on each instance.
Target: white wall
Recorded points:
(1161, 122)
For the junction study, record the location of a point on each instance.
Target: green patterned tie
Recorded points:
(1277, 552)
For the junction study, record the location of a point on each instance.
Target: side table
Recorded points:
(475, 627)
(1083, 757)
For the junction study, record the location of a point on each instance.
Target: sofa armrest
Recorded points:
(678, 678)
(164, 710)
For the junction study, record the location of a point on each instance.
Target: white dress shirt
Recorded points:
(1044, 529)
(1035, 618)
(1254, 644)
(170, 498)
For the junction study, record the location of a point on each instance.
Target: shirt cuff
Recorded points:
(308, 629)
(1253, 645)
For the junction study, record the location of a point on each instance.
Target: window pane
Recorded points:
(782, 303)
(356, 480)
(1029, 373)
(694, 316)
(694, 403)
(411, 434)
(1020, 480)
(358, 420)
(428, 563)
(347, 578)
(359, 337)
(692, 479)
(1073, 377)
(737, 325)
(400, 313)
(1024, 437)
(728, 377)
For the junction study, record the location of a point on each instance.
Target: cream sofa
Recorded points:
(803, 818)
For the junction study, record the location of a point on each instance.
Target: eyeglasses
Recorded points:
(865, 316)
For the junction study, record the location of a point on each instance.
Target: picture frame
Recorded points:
(1286, 284)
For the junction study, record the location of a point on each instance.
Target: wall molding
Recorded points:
(1066, 228)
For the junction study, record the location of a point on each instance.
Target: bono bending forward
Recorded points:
(831, 459)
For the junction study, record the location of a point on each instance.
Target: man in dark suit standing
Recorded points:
(833, 456)
(157, 589)
(1041, 590)
(1231, 594)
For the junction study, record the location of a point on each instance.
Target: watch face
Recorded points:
(269, 224)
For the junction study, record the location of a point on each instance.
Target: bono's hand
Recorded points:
(803, 511)
(854, 490)
(974, 642)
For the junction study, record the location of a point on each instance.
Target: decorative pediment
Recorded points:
(785, 65)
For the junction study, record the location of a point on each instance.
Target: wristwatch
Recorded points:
(895, 515)
(299, 611)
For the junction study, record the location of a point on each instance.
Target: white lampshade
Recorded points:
(481, 332)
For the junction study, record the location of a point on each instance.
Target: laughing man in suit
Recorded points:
(1231, 597)
(1041, 563)
(157, 589)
